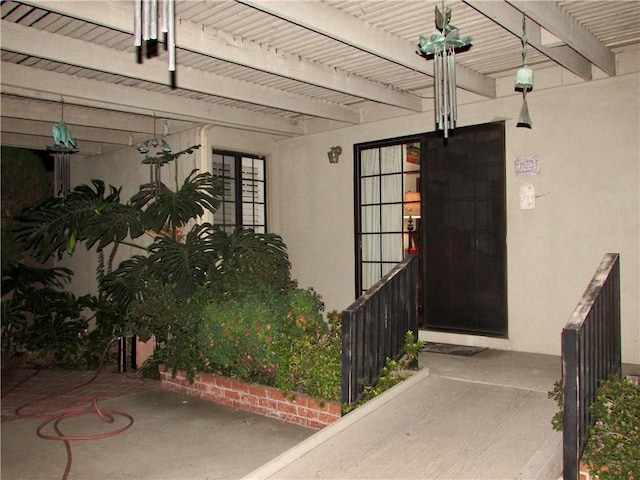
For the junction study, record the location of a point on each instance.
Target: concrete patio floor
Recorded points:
(484, 417)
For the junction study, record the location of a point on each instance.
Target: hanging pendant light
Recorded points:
(442, 47)
(524, 80)
(64, 145)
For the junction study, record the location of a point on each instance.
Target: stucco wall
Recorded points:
(587, 137)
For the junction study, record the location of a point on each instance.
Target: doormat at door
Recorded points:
(451, 349)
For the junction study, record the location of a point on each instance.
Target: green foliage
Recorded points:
(239, 333)
(412, 348)
(24, 180)
(261, 256)
(158, 291)
(310, 351)
(260, 333)
(613, 446)
(393, 371)
(164, 207)
(89, 215)
(174, 323)
(25, 183)
(557, 394)
(39, 317)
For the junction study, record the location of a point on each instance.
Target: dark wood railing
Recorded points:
(591, 352)
(374, 326)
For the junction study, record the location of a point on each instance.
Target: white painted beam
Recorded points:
(41, 143)
(22, 108)
(83, 133)
(39, 43)
(118, 16)
(510, 19)
(551, 17)
(22, 81)
(326, 20)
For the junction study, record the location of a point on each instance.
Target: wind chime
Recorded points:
(524, 80)
(63, 146)
(442, 47)
(147, 15)
(156, 162)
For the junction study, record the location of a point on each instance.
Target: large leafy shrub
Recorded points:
(260, 333)
(25, 183)
(37, 316)
(613, 447)
(309, 349)
(157, 290)
(612, 451)
(239, 332)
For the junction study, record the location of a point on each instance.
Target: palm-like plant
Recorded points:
(181, 260)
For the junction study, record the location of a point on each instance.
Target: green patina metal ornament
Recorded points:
(64, 144)
(442, 46)
(447, 38)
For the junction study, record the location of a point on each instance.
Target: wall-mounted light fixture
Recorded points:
(334, 154)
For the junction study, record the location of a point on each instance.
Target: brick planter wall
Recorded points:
(255, 398)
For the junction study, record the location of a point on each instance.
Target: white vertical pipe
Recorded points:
(171, 36)
(137, 23)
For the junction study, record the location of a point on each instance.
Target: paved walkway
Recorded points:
(480, 417)
(173, 437)
(483, 417)
(47, 391)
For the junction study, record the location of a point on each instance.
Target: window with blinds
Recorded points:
(244, 200)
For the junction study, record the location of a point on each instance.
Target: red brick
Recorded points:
(315, 424)
(327, 418)
(208, 378)
(308, 413)
(232, 395)
(293, 419)
(268, 403)
(287, 407)
(275, 394)
(224, 382)
(250, 399)
(257, 390)
(256, 398)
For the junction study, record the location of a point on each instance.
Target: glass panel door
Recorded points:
(383, 178)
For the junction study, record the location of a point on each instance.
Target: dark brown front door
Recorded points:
(464, 234)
